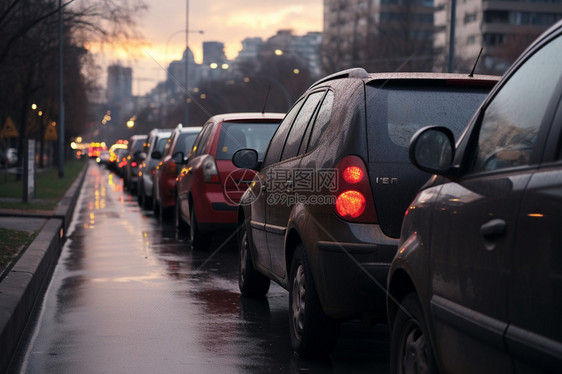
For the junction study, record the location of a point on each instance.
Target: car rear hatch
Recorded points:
(395, 111)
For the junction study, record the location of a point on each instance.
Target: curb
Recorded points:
(24, 286)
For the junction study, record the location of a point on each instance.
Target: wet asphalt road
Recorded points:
(130, 296)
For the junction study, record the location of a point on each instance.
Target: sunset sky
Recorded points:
(227, 21)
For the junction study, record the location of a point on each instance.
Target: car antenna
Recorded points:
(266, 98)
(476, 63)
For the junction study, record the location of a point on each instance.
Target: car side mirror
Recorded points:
(178, 157)
(156, 155)
(141, 156)
(432, 149)
(245, 158)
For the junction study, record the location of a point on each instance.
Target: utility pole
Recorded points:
(452, 36)
(186, 95)
(61, 98)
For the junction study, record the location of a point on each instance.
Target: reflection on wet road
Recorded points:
(130, 296)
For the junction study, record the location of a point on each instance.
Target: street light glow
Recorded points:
(33, 106)
(278, 52)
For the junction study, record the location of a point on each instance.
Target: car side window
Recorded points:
(322, 120)
(201, 141)
(512, 119)
(299, 126)
(276, 145)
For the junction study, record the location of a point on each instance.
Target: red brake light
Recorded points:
(134, 164)
(353, 174)
(351, 203)
(354, 198)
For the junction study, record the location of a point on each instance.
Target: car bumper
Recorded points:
(213, 210)
(351, 277)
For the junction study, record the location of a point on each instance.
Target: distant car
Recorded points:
(322, 217)
(116, 153)
(131, 168)
(103, 158)
(151, 155)
(476, 285)
(209, 187)
(173, 157)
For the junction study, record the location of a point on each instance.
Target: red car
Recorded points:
(209, 186)
(174, 155)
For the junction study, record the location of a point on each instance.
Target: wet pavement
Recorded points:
(130, 296)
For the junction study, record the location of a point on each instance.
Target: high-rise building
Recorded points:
(176, 73)
(378, 35)
(305, 48)
(502, 28)
(119, 83)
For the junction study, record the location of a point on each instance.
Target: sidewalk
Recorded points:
(25, 282)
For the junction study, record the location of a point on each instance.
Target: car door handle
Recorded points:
(493, 229)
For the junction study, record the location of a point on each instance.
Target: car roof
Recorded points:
(247, 116)
(453, 78)
(450, 77)
(193, 129)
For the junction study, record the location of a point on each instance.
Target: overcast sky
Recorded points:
(227, 21)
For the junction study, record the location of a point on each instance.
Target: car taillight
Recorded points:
(354, 199)
(134, 164)
(210, 172)
(170, 167)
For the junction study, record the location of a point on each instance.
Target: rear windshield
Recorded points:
(137, 145)
(235, 136)
(161, 143)
(185, 142)
(395, 113)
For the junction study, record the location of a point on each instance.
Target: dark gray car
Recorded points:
(323, 215)
(476, 286)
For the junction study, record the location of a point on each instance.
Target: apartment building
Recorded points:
(503, 28)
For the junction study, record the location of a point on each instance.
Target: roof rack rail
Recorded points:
(348, 73)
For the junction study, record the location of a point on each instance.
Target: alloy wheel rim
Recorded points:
(298, 306)
(413, 358)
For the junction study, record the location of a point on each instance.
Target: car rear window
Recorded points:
(161, 143)
(185, 142)
(236, 135)
(396, 112)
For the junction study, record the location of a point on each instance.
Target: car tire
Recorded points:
(181, 226)
(155, 205)
(139, 194)
(146, 202)
(313, 334)
(252, 283)
(410, 348)
(196, 237)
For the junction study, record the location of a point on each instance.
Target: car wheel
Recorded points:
(251, 282)
(146, 202)
(410, 348)
(181, 226)
(313, 334)
(198, 241)
(140, 193)
(155, 205)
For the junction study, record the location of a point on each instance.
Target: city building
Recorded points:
(378, 35)
(502, 28)
(119, 83)
(215, 64)
(176, 73)
(306, 48)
